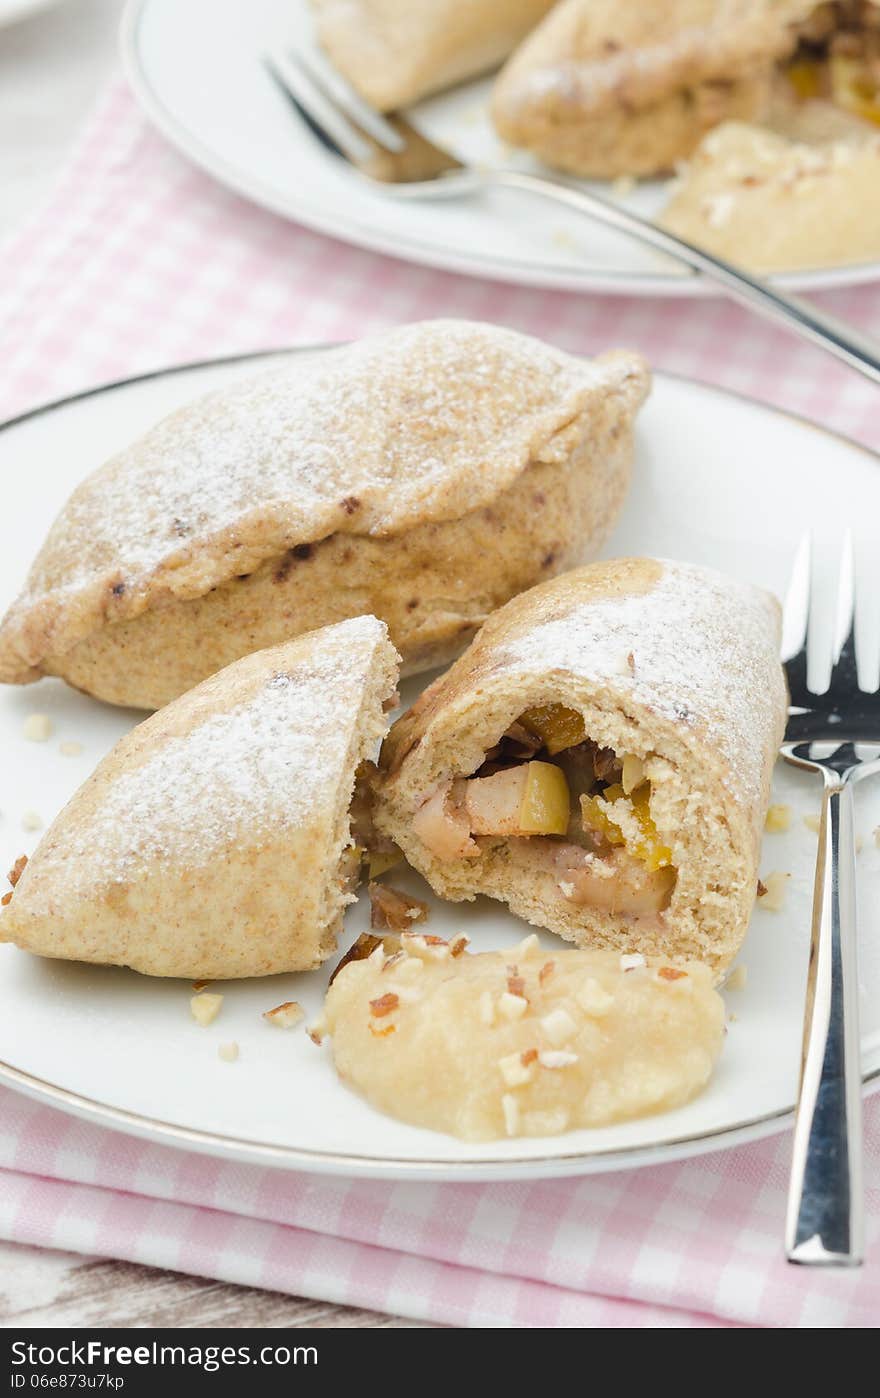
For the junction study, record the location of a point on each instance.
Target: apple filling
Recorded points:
(838, 57)
(567, 806)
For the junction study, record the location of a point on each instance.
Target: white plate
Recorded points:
(11, 11)
(197, 70)
(713, 478)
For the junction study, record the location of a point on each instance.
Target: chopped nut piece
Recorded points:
(737, 978)
(632, 961)
(812, 823)
(7, 898)
(30, 820)
(546, 972)
(514, 1072)
(773, 896)
(778, 819)
(762, 889)
(37, 728)
(17, 869)
(394, 960)
(358, 951)
(200, 985)
(285, 1016)
(392, 910)
(511, 1006)
(459, 945)
(384, 1004)
(510, 1108)
(228, 1052)
(317, 1030)
(671, 973)
(558, 1025)
(515, 983)
(556, 1058)
(383, 1032)
(69, 748)
(593, 998)
(205, 1008)
(528, 1056)
(487, 1008)
(526, 948)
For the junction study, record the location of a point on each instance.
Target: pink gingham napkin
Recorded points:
(139, 261)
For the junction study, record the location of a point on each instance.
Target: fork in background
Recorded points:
(828, 733)
(402, 162)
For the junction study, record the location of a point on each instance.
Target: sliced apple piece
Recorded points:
(442, 826)
(530, 799)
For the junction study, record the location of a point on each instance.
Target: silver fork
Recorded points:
(837, 734)
(394, 155)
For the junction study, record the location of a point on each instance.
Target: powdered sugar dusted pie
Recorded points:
(600, 759)
(425, 475)
(621, 87)
(520, 1042)
(395, 53)
(773, 204)
(213, 841)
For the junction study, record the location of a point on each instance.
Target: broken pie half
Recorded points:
(619, 87)
(425, 476)
(214, 840)
(600, 760)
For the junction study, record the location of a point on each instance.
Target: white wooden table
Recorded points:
(51, 67)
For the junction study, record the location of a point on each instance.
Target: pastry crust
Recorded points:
(377, 476)
(777, 205)
(210, 842)
(395, 53)
(669, 663)
(436, 1037)
(618, 87)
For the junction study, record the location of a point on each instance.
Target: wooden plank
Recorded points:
(43, 1289)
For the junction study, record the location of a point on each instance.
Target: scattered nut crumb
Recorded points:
(812, 823)
(391, 910)
(70, 748)
(556, 1058)
(17, 869)
(459, 945)
(774, 888)
(228, 1052)
(737, 978)
(593, 998)
(30, 820)
(514, 1072)
(6, 899)
(37, 728)
(317, 1030)
(384, 1004)
(511, 1006)
(632, 961)
(360, 950)
(510, 1108)
(546, 972)
(559, 1026)
(205, 1008)
(200, 985)
(671, 973)
(778, 819)
(515, 982)
(285, 1016)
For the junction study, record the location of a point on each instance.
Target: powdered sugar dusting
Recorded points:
(704, 652)
(365, 438)
(270, 764)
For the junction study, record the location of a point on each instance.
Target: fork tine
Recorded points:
(330, 123)
(338, 90)
(796, 623)
(845, 669)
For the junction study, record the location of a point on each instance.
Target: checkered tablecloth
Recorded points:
(140, 261)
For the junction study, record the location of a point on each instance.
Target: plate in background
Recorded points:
(197, 70)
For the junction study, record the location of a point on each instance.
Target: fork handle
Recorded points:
(839, 339)
(824, 1223)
